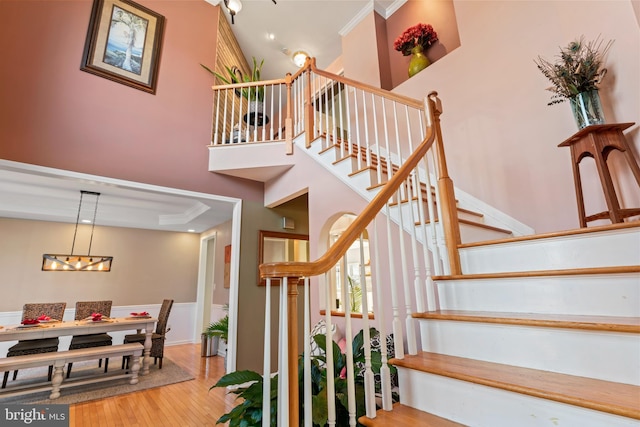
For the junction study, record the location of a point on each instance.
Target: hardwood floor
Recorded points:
(188, 403)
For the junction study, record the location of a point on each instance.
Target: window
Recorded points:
(349, 276)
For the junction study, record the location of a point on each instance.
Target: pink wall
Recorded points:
(500, 136)
(362, 59)
(53, 114)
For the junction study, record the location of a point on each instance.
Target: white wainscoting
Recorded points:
(181, 322)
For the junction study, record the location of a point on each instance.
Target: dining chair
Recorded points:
(157, 338)
(44, 345)
(85, 309)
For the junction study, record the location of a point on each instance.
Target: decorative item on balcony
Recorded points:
(575, 76)
(254, 94)
(414, 41)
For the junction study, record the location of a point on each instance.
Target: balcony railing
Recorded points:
(411, 225)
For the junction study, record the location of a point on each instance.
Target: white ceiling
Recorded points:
(31, 192)
(309, 25)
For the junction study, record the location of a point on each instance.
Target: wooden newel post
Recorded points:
(447, 195)
(294, 404)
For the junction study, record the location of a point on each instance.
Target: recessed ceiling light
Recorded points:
(271, 36)
(191, 230)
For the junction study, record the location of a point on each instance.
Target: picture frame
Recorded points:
(123, 43)
(274, 246)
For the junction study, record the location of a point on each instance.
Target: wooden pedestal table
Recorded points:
(597, 141)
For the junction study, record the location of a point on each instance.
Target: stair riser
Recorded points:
(607, 356)
(591, 294)
(602, 249)
(481, 406)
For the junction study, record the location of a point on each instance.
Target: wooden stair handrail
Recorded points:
(340, 247)
(411, 102)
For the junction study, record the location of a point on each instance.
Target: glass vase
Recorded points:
(587, 109)
(418, 62)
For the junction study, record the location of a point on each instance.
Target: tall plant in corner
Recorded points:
(235, 76)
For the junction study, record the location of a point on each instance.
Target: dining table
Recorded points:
(55, 328)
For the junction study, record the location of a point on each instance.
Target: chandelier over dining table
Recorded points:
(71, 262)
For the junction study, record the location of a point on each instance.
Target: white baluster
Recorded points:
(351, 390)
(397, 323)
(409, 324)
(365, 119)
(217, 119)
(369, 380)
(358, 147)
(308, 417)
(331, 387)
(266, 367)
(385, 373)
(283, 358)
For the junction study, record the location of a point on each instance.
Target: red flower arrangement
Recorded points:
(419, 35)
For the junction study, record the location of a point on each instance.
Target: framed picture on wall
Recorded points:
(123, 43)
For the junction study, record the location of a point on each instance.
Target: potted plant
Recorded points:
(575, 76)
(414, 41)
(220, 329)
(254, 95)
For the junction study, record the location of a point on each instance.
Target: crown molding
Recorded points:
(385, 12)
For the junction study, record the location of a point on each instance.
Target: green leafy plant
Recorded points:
(219, 328)
(247, 385)
(319, 379)
(579, 68)
(235, 76)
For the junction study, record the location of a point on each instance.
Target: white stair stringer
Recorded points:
(360, 183)
(483, 406)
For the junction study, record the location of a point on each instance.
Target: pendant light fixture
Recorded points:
(71, 262)
(235, 6)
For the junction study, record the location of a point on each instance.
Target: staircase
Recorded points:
(537, 330)
(533, 347)
(528, 330)
(366, 181)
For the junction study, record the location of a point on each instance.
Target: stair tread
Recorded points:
(622, 269)
(595, 323)
(402, 415)
(564, 233)
(476, 224)
(615, 398)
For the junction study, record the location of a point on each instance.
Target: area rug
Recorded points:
(169, 374)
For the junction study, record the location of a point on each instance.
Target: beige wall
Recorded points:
(251, 297)
(148, 266)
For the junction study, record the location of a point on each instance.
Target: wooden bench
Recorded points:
(60, 358)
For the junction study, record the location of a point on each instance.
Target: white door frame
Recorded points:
(236, 223)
